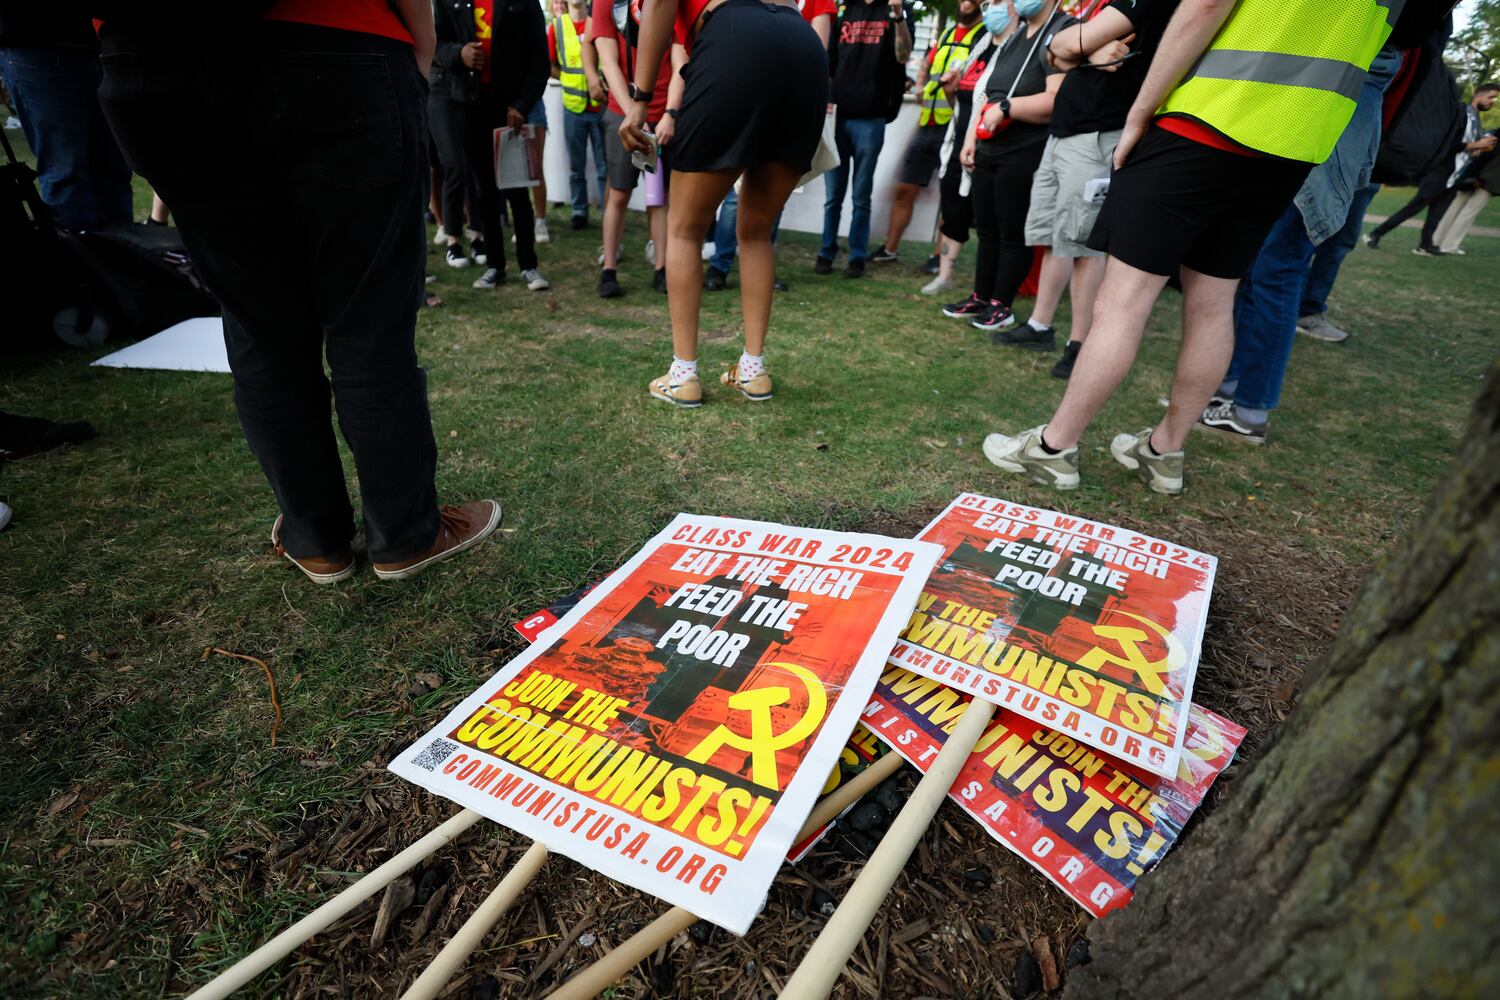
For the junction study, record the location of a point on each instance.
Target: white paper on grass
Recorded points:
(845, 652)
(194, 345)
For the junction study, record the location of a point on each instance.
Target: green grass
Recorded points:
(130, 555)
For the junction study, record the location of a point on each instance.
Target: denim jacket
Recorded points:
(1328, 191)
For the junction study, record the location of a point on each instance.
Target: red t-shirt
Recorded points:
(603, 22)
(373, 17)
(812, 8)
(484, 33)
(1193, 129)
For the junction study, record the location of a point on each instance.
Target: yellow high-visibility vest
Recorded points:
(936, 110)
(575, 85)
(1282, 76)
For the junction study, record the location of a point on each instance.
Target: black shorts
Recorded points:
(1178, 203)
(756, 91)
(923, 155)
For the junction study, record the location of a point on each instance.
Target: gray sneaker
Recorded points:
(1163, 473)
(1024, 453)
(1317, 327)
(534, 280)
(1229, 420)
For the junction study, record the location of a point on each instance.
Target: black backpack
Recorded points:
(1425, 130)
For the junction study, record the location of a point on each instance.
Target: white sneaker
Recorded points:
(1161, 473)
(441, 239)
(601, 256)
(534, 280)
(1023, 453)
(542, 236)
(710, 250)
(936, 285)
(491, 278)
(651, 252)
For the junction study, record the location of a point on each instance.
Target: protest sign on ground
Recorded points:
(673, 730)
(1087, 628)
(1090, 823)
(861, 750)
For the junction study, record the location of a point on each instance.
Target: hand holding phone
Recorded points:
(647, 159)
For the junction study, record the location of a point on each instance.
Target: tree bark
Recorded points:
(1360, 856)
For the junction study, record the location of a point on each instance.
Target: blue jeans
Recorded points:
(1331, 253)
(726, 239)
(859, 142)
(579, 132)
(1265, 313)
(84, 179)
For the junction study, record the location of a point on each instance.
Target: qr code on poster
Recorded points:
(437, 751)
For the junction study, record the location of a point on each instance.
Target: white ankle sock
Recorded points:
(1036, 325)
(683, 370)
(751, 365)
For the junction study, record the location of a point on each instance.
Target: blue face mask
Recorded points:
(1028, 8)
(996, 17)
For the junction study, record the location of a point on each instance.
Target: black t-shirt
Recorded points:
(867, 79)
(1092, 100)
(1012, 59)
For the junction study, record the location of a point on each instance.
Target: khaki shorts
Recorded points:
(1059, 217)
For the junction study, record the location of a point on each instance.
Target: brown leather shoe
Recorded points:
(463, 527)
(318, 569)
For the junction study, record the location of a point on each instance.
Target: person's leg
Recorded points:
(53, 91)
(1124, 304)
(984, 192)
(1264, 317)
(539, 193)
(595, 126)
(575, 135)
(1329, 256)
(1050, 284)
(616, 203)
(1208, 340)
(867, 135)
(835, 186)
(520, 200)
(199, 132)
(1427, 192)
(446, 121)
(479, 157)
(1435, 213)
(1463, 217)
(1013, 188)
(160, 213)
(1088, 272)
(765, 191)
(109, 174)
(903, 199)
(659, 226)
(726, 238)
(695, 197)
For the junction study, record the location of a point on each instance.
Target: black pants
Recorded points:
(464, 134)
(1433, 194)
(1001, 195)
(293, 162)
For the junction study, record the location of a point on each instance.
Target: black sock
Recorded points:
(1152, 448)
(1042, 437)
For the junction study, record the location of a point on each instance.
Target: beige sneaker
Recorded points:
(1024, 453)
(688, 393)
(757, 389)
(462, 526)
(1163, 473)
(319, 569)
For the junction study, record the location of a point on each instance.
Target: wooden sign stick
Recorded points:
(471, 934)
(318, 920)
(626, 955)
(825, 960)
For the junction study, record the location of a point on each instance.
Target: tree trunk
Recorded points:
(1359, 856)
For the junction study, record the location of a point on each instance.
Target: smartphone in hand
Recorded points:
(647, 160)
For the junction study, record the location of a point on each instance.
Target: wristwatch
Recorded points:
(1005, 107)
(674, 112)
(636, 93)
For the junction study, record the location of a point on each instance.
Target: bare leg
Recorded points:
(656, 222)
(1054, 278)
(948, 256)
(159, 211)
(901, 209)
(1125, 299)
(615, 203)
(1088, 272)
(539, 193)
(762, 197)
(1207, 344)
(695, 200)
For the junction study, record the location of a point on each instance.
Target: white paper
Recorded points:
(516, 164)
(194, 345)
